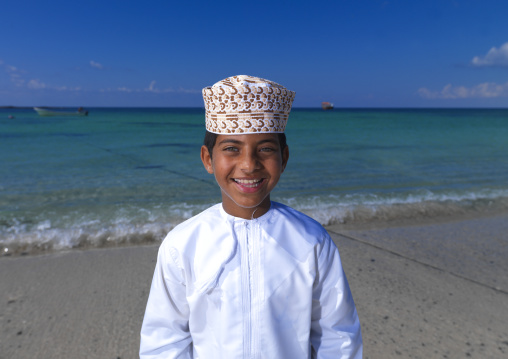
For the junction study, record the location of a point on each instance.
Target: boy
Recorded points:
(249, 278)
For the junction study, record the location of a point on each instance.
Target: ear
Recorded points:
(285, 158)
(206, 159)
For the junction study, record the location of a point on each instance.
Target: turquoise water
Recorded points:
(130, 175)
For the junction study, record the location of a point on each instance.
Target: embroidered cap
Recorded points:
(245, 104)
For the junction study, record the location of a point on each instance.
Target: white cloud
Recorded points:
(124, 89)
(14, 74)
(495, 57)
(484, 90)
(36, 84)
(66, 88)
(181, 89)
(96, 65)
(151, 87)
(17, 77)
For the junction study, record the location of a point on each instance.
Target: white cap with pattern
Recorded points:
(246, 104)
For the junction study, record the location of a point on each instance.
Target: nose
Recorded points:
(249, 161)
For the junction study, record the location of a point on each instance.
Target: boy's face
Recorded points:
(247, 168)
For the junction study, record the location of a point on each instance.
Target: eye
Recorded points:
(267, 149)
(230, 149)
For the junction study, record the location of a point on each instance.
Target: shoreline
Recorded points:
(421, 290)
(38, 249)
(420, 220)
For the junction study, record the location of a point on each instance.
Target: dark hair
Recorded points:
(211, 138)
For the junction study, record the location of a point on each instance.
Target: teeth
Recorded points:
(244, 181)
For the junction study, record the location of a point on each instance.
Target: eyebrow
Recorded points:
(228, 140)
(236, 142)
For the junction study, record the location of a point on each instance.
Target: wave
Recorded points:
(125, 226)
(366, 208)
(141, 226)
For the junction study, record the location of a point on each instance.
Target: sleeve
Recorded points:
(165, 329)
(335, 326)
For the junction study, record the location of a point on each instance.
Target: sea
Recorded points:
(127, 176)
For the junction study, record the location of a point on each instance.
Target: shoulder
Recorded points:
(293, 220)
(198, 246)
(207, 217)
(312, 236)
(195, 227)
(297, 233)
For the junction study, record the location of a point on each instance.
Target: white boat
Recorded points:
(58, 112)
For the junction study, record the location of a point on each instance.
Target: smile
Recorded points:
(250, 183)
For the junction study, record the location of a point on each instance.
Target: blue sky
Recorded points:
(373, 53)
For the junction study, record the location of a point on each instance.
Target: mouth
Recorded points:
(249, 183)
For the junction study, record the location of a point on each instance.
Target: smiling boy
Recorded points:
(247, 168)
(249, 278)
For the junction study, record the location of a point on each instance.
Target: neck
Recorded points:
(233, 209)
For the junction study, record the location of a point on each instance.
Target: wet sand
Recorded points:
(422, 291)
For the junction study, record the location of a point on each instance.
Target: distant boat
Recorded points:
(59, 112)
(327, 105)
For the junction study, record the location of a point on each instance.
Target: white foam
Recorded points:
(387, 207)
(130, 225)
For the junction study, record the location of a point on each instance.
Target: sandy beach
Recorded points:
(438, 290)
